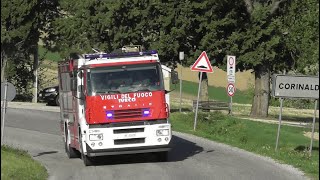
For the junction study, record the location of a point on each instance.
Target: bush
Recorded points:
(23, 98)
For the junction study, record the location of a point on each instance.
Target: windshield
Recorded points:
(125, 79)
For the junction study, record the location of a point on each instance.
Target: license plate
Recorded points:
(125, 136)
(129, 135)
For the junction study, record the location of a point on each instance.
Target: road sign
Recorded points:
(9, 91)
(231, 79)
(231, 89)
(299, 86)
(181, 55)
(202, 64)
(231, 68)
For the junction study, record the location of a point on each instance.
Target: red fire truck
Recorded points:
(114, 103)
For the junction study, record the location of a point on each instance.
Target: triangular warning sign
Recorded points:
(202, 64)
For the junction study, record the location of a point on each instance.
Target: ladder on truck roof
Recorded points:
(125, 51)
(119, 55)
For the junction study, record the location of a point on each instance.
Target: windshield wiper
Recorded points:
(110, 91)
(146, 89)
(114, 91)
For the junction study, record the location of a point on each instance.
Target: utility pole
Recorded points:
(181, 57)
(35, 74)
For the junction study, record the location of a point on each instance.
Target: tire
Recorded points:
(163, 156)
(87, 161)
(71, 152)
(57, 100)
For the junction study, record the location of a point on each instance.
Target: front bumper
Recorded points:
(128, 140)
(129, 150)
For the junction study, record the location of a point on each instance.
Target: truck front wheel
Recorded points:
(86, 160)
(57, 100)
(71, 152)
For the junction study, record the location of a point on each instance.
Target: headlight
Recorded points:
(96, 137)
(163, 132)
(51, 90)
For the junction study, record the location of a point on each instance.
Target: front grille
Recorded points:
(128, 113)
(132, 130)
(129, 141)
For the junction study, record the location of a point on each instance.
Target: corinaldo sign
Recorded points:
(295, 86)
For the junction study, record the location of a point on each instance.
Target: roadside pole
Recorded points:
(231, 105)
(231, 77)
(181, 57)
(314, 121)
(196, 115)
(180, 89)
(278, 134)
(4, 109)
(309, 90)
(231, 89)
(201, 65)
(8, 92)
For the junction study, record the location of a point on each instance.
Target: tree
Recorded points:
(99, 24)
(14, 31)
(258, 45)
(253, 30)
(300, 25)
(265, 44)
(21, 26)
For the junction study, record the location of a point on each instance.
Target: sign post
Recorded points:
(231, 77)
(313, 122)
(196, 115)
(279, 126)
(303, 87)
(230, 91)
(201, 65)
(181, 57)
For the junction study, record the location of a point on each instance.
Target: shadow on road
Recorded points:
(181, 149)
(43, 153)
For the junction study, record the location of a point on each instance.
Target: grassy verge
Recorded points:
(17, 164)
(254, 137)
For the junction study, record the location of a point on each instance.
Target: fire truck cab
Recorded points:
(114, 103)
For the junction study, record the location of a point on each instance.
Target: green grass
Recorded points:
(216, 93)
(17, 164)
(48, 55)
(255, 137)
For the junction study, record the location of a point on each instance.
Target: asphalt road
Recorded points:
(37, 131)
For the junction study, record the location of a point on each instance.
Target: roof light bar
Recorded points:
(115, 55)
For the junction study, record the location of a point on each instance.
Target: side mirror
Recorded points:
(174, 77)
(73, 84)
(82, 95)
(80, 74)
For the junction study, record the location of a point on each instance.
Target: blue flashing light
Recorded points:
(115, 55)
(145, 112)
(110, 114)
